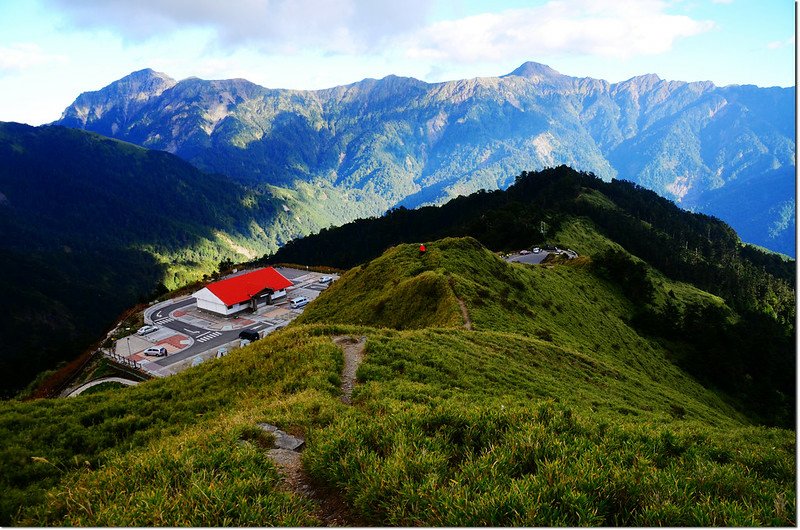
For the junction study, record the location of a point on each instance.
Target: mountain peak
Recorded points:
(532, 69)
(126, 95)
(144, 82)
(646, 79)
(147, 73)
(642, 82)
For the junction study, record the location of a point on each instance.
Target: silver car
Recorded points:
(144, 330)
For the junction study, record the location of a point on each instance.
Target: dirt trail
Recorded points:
(353, 350)
(331, 509)
(465, 314)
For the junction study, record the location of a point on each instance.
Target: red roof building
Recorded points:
(237, 293)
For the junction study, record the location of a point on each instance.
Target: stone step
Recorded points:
(283, 440)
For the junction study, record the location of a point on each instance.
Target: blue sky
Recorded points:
(52, 50)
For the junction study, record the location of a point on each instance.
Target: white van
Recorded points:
(300, 301)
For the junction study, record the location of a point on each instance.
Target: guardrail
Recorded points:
(122, 360)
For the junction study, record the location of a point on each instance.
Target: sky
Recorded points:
(52, 50)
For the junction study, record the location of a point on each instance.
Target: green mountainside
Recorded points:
(727, 151)
(563, 206)
(93, 225)
(744, 345)
(490, 393)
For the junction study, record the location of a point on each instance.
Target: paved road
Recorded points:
(164, 311)
(100, 381)
(203, 339)
(531, 258)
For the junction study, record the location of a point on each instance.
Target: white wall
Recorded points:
(208, 301)
(278, 294)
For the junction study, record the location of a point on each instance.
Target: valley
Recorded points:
(93, 226)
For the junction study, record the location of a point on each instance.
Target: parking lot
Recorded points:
(536, 255)
(192, 336)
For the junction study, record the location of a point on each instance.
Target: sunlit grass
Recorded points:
(552, 411)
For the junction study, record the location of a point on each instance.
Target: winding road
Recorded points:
(90, 384)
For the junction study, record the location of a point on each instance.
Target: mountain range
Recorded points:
(360, 149)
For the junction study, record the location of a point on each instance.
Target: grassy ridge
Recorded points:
(566, 306)
(447, 429)
(553, 410)
(542, 464)
(664, 260)
(401, 290)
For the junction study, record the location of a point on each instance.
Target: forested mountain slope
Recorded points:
(376, 144)
(92, 225)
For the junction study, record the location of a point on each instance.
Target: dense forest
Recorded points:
(687, 246)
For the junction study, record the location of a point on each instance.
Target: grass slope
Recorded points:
(538, 438)
(565, 307)
(551, 411)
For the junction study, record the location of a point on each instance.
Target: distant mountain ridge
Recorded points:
(727, 151)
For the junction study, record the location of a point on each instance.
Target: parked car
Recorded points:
(536, 250)
(325, 280)
(197, 361)
(300, 301)
(222, 352)
(524, 252)
(144, 330)
(156, 351)
(249, 334)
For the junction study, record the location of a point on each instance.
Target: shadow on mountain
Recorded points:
(92, 225)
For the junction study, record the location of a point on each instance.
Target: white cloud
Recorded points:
(606, 28)
(23, 56)
(778, 44)
(344, 26)
(721, 1)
